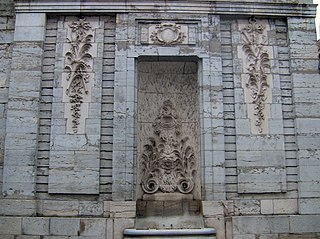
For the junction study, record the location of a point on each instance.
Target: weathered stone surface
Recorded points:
(64, 226)
(93, 227)
(304, 223)
(35, 226)
(60, 208)
(123, 209)
(10, 225)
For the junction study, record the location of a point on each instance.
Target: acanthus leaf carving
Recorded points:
(168, 34)
(168, 162)
(258, 63)
(77, 66)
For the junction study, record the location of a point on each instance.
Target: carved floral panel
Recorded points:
(257, 80)
(78, 76)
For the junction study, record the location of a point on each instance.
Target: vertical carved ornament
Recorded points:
(168, 162)
(77, 65)
(257, 64)
(167, 34)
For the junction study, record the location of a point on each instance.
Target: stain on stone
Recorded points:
(82, 227)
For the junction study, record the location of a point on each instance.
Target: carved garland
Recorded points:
(167, 34)
(258, 63)
(77, 59)
(168, 163)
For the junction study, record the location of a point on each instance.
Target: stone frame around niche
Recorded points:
(212, 169)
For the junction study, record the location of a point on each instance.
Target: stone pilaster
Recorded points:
(306, 97)
(76, 112)
(23, 106)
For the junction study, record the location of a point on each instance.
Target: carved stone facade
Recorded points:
(190, 118)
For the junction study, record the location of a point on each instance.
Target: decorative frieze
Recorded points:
(168, 162)
(257, 64)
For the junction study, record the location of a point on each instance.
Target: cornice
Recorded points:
(265, 8)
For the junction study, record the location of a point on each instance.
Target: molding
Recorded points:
(197, 7)
(170, 232)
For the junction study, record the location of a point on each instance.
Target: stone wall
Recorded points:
(258, 177)
(6, 43)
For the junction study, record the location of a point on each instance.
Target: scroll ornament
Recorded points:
(168, 34)
(258, 63)
(77, 66)
(168, 163)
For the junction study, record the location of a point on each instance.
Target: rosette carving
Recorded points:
(168, 34)
(257, 64)
(77, 66)
(168, 162)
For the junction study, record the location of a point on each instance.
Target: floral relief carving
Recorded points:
(167, 34)
(258, 63)
(168, 162)
(77, 65)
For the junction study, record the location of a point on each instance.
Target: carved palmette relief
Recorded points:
(257, 64)
(167, 34)
(78, 61)
(167, 161)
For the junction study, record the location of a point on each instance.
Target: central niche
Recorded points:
(168, 129)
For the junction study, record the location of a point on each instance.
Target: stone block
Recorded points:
(306, 95)
(90, 208)
(309, 206)
(30, 19)
(57, 237)
(110, 226)
(260, 158)
(247, 206)
(27, 237)
(11, 207)
(261, 179)
(35, 226)
(7, 236)
(285, 206)
(266, 206)
(304, 224)
(299, 236)
(60, 208)
(93, 227)
(78, 181)
(64, 226)
(123, 209)
(218, 224)
(10, 225)
(120, 224)
(258, 143)
(308, 126)
(212, 208)
(260, 225)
